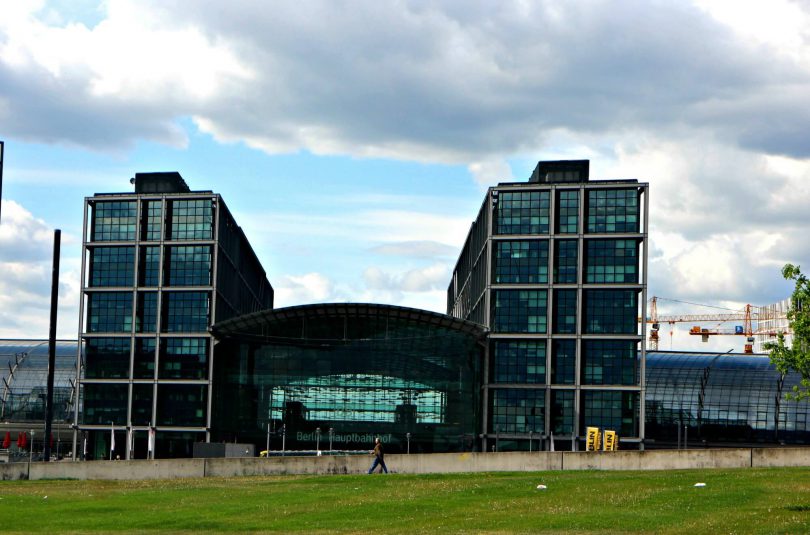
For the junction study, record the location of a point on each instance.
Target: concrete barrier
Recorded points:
(137, 469)
(438, 463)
(780, 457)
(657, 459)
(13, 471)
(411, 464)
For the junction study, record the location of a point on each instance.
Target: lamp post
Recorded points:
(331, 434)
(268, 439)
(408, 436)
(284, 440)
(530, 441)
(31, 448)
(317, 440)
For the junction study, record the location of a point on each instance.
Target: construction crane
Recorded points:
(746, 329)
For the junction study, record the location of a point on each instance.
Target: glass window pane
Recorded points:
(112, 266)
(188, 266)
(519, 361)
(565, 261)
(517, 411)
(611, 211)
(611, 261)
(113, 221)
(185, 312)
(520, 311)
(522, 212)
(521, 262)
(109, 312)
(181, 405)
(184, 358)
(567, 211)
(609, 362)
(611, 311)
(106, 358)
(104, 403)
(191, 220)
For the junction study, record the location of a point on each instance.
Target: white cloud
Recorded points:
(304, 289)
(26, 261)
(491, 172)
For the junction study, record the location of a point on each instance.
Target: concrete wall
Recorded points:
(780, 457)
(411, 464)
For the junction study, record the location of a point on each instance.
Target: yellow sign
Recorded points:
(610, 440)
(592, 438)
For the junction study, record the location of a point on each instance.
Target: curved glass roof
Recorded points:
(738, 395)
(291, 321)
(24, 373)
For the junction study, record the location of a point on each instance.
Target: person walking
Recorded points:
(379, 457)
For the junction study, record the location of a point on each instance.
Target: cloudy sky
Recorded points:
(354, 140)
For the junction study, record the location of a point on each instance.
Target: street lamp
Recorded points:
(317, 441)
(331, 434)
(408, 436)
(31, 448)
(284, 440)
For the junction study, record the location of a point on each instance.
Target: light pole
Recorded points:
(331, 434)
(31, 448)
(408, 436)
(530, 441)
(317, 441)
(284, 440)
(268, 439)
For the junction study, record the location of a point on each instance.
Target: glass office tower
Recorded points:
(160, 266)
(555, 268)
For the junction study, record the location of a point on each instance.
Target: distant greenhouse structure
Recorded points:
(24, 373)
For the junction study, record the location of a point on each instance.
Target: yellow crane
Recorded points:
(748, 315)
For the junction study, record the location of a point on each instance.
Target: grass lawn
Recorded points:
(733, 501)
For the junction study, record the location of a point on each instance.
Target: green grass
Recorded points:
(733, 501)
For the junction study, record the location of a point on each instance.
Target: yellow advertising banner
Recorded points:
(591, 438)
(610, 440)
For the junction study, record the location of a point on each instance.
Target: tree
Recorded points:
(796, 357)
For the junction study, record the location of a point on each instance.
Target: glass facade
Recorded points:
(565, 311)
(576, 323)
(609, 362)
(613, 211)
(112, 266)
(189, 266)
(568, 212)
(564, 362)
(562, 412)
(523, 213)
(184, 358)
(360, 370)
(611, 311)
(148, 309)
(610, 409)
(521, 262)
(109, 312)
(610, 261)
(185, 312)
(106, 358)
(149, 270)
(518, 411)
(519, 361)
(520, 311)
(114, 221)
(105, 404)
(721, 399)
(565, 261)
(191, 219)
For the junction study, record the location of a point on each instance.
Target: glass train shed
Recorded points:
(337, 375)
